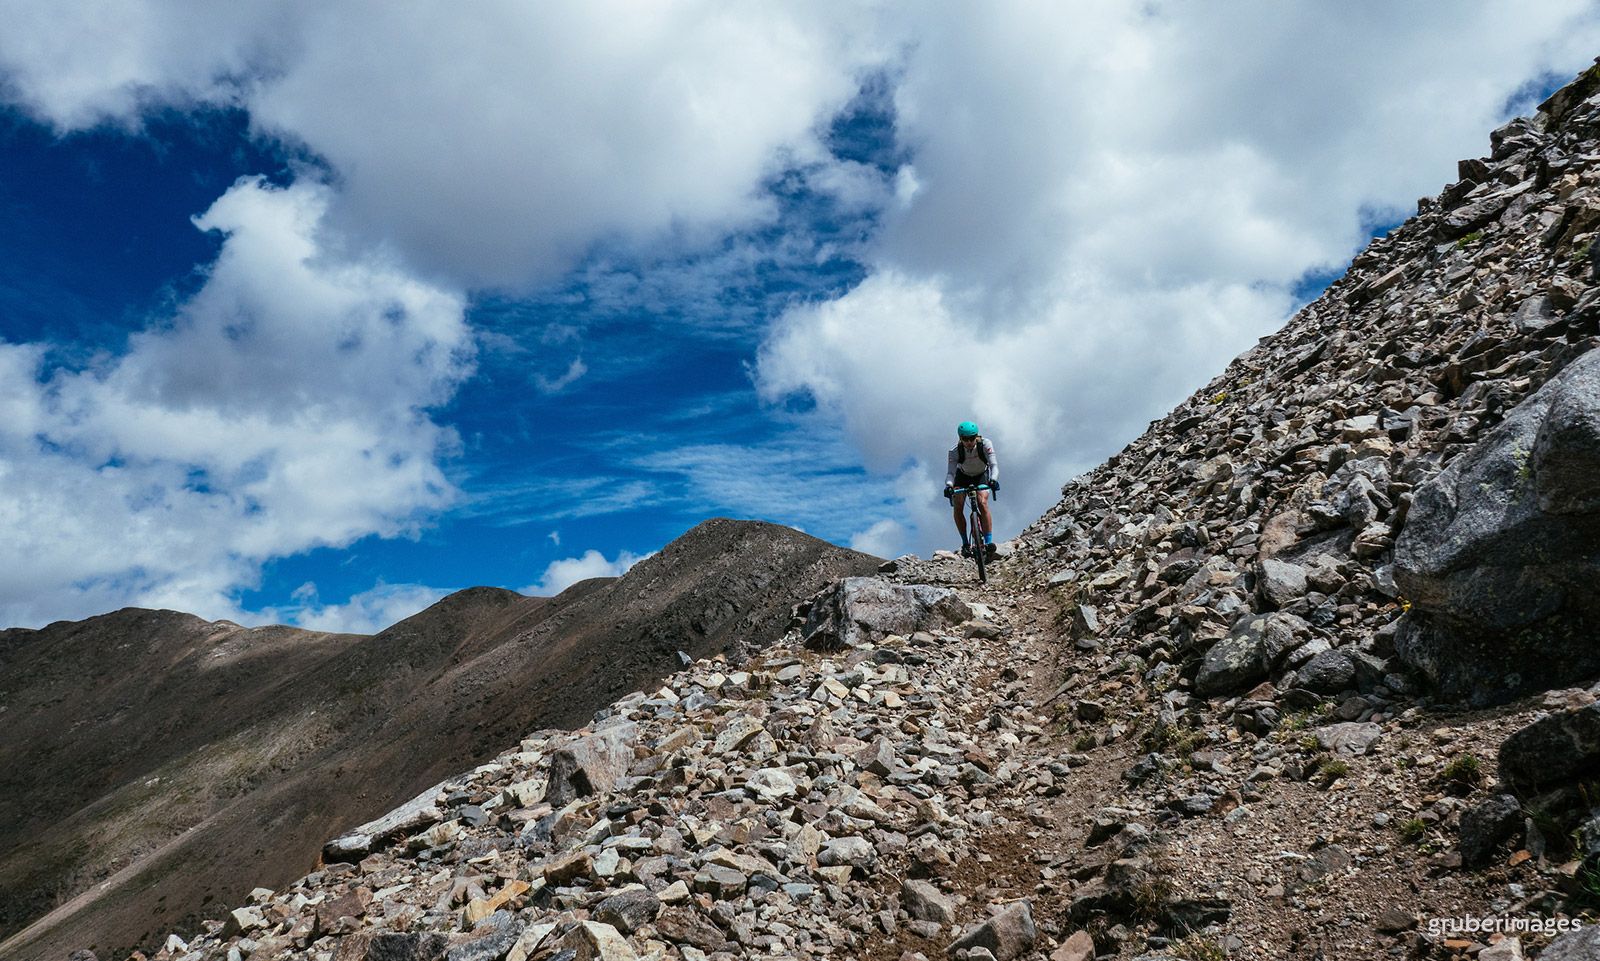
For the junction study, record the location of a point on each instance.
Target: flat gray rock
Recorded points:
(1281, 582)
(1349, 738)
(925, 902)
(410, 817)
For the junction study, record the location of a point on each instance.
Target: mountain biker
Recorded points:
(972, 462)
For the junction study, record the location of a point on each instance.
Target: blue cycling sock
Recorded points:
(988, 538)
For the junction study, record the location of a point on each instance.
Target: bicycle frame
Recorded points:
(975, 526)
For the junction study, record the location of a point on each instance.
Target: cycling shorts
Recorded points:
(969, 480)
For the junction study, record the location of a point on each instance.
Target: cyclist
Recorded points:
(971, 462)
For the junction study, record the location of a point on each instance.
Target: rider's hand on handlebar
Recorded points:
(949, 491)
(994, 486)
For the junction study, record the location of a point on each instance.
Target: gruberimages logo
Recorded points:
(1489, 924)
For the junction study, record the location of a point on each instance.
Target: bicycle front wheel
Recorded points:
(980, 550)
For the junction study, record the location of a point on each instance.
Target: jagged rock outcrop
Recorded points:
(592, 764)
(864, 608)
(417, 813)
(1500, 556)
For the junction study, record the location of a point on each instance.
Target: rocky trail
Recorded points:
(907, 776)
(1303, 672)
(787, 806)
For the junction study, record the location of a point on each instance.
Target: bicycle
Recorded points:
(975, 528)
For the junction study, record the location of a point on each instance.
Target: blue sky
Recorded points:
(315, 312)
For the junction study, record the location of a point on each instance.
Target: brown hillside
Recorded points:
(161, 763)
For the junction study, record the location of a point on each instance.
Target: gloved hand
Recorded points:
(994, 487)
(949, 491)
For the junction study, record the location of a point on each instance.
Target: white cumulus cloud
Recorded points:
(881, 539)
(367, 612)
(493, 145)
(564, 573)
(282, 407)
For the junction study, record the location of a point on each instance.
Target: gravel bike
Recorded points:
(980, 551)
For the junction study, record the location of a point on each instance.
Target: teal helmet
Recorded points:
(966, 430)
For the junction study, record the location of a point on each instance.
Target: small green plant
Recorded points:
(1413, 830)
(1309, 742)
(1581, 252)
(1586, 882)
(1332, 770)
(1295, 721)
(1220, 397)
(1198, 948)
(1150, 895)
(1463, 773)
(1471, 238)
(1170, 738)
(1061, 719)
(1085, 742)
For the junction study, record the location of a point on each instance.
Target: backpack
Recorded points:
(981, 455)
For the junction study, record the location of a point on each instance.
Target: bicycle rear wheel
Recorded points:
(980, 552)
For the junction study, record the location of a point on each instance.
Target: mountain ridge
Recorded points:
(241, 706)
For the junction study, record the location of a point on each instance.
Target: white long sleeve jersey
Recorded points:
(970, 463)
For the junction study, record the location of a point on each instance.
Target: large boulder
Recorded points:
(392, 946)
(592, 764)
(859, 610)
(1008, 933)
(1256, 645)
(1563, 746)
(1236, 662)
(1485, 825)
(1327, 672)
(1501, 552)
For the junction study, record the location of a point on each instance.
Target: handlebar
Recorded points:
(969, 490)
